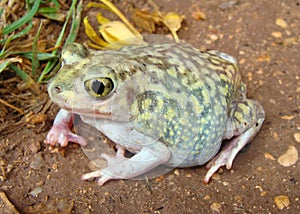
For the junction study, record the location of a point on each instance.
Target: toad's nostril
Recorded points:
(58, 89)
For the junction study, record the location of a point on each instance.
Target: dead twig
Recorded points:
(11, 106)
(7, 204)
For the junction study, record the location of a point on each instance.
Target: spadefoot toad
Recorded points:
(166, 103)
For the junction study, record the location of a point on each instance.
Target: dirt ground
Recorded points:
(264, 36)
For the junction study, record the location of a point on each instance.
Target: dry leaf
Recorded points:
(117, 32)
(269, 156)
(280, 22)
(264, 58)
(282, 201)
(288, 117)
(144, 20)
(290, 41)
(37, 118)
(297, 137)
(173, 23)
(276, 34)
(198, 15)
(289, 158)
(101, 19)
(91, 33)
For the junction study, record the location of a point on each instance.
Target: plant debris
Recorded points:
(282, 201)
(289, 158)
(116, 34)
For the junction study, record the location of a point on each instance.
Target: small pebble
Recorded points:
(35, 147)
(176, 172)
(225, 183)
(207, 197)
(264, 193)
(216, 207)
(188, 175)
(213, 37)
(36, 191)
(37, 161)
(228, 4)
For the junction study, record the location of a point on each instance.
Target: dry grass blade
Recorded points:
(11, 106)
(6, 62)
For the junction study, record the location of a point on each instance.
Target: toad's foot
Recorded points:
(120, 167)
(60, 132)
(112, 162)
(227, 155)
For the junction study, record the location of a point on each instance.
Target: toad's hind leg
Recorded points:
(242, 126)
(120, 167)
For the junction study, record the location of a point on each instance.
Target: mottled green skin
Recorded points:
(189, 99)
(174, 93)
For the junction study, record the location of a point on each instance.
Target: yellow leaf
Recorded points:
(90, 32)
(282, 201)
(116, 11)
(264, 58)
(173, 23)
(101, 19)
(144, 20)
(288, 117)
(100, 5)
(280, 22)
(95, 46)
(117, 32)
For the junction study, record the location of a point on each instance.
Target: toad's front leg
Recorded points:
(120, 167)
(60, 132)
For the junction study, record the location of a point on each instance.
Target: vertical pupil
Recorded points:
(98, 87)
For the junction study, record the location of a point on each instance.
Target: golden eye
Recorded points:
(99, 87)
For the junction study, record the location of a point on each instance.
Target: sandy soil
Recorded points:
(264, 36)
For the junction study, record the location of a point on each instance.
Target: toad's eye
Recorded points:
(99, 87)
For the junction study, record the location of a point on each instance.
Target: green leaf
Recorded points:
(72, 36)
(40, 55)
(76, 17)
(34, 60)
(48, 10)
(22, 21)
(4, 64)
(26, 78)
(20, 34)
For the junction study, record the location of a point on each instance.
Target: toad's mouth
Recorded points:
(88, 113)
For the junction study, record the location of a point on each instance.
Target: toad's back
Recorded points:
(183, 96)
